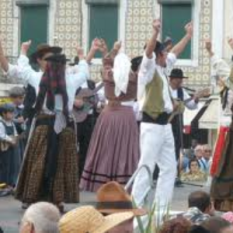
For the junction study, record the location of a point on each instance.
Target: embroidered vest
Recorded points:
(154, 103)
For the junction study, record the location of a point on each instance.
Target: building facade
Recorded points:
(72, 23)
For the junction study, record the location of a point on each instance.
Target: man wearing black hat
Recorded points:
(181, 95)
(157, 142)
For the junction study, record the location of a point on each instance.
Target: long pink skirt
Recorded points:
(113, 153)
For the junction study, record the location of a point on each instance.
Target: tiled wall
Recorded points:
(67, 31)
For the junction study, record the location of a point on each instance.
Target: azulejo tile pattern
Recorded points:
(68, 31)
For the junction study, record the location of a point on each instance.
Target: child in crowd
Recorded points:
(17, 95)
(9, 153)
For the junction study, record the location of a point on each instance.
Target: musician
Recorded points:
(86, 117)
(180, 94)
(10, 157)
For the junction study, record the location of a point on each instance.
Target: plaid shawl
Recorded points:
(52, 83)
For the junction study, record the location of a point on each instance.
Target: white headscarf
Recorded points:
(121, 70)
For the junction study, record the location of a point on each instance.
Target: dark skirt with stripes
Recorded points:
(113, 153)
(50, 167)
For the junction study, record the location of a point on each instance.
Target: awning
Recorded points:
(190, 114)
(211, 116)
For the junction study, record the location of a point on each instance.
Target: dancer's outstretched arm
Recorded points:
(152, 42)
(180, 46)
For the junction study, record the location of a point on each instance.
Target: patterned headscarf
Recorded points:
(52, 83)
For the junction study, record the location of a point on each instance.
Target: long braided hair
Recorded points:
(52, 83)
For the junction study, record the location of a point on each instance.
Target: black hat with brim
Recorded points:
(57, 58)
(42, 50)
(135, 63)
(177, 74)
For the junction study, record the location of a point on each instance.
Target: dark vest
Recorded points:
(29, 101)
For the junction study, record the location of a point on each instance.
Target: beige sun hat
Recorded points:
(88, 219)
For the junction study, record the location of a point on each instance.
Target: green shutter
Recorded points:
(103, 23)
(175, 17)
(34, 23)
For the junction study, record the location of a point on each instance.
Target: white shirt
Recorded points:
(3, 135)
(73, 80)
(190, 104)
(146, 74)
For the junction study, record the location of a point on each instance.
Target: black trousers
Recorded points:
(84, 132)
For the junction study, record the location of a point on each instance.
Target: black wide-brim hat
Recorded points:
(57, 58)
(177, 73)
(42, 49)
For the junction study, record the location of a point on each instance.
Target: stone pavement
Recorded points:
(11, 212)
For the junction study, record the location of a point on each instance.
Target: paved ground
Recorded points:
(11, 213)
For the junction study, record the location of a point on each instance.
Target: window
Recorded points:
(103, 23)
(103, 19)
(34, 22)
(174, 19)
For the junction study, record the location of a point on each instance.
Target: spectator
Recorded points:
(112, 198)
(176, 225)
(41, 217)
(194, 173)
(217, 225)
(17, 97)
(200, 207)
(10, 157)
(88, 219)
(206, 159)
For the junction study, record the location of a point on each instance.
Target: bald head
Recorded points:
(41, 217)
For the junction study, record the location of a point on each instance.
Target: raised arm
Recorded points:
(180, 46)
(94, 48)
(115, 50)
(220, 66)
(152, 42)
(3, 61)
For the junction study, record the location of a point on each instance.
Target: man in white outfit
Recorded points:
(157, 142)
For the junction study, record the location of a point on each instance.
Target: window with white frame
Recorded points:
(32, 12)
(103, 20)
(175, 15)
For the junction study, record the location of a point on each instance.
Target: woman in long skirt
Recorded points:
(113, 153)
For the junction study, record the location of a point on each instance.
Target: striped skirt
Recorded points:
(50, 167)
(113, 153)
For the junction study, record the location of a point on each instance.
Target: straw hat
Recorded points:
(112, 198)
(88, 219)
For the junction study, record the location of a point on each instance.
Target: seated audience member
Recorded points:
(217, 225)
(207, 153)
(194, 173)
(228, 216)
(200, 207)
(112, 198)
(176, 225)
(199, 152)
(41, 217)
(87, 219)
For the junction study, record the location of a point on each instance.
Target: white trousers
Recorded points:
(157, 147)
